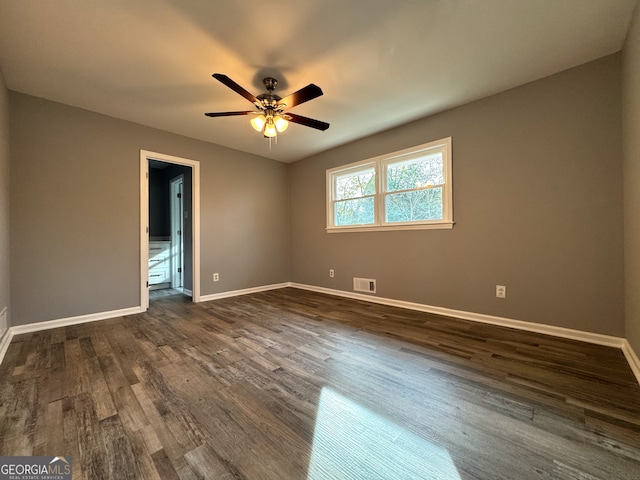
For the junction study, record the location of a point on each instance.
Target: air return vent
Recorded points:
(364, 285)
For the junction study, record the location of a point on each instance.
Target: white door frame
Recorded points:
(176, 190)
(145, 156)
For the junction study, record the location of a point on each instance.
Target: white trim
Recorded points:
(444, 147)
(403, 226)
(176, 186)
(379, 166)
(65, 322)
(244, 291)
(5, 340)
(336, 172)
(595, 338)
(144, 231)
(632, 358)
(145, 156)
(4, 319)
(562, 332)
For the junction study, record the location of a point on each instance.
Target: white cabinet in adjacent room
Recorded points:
(159, 263)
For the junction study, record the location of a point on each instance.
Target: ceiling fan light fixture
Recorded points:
(281, 124)
(270, 128)
(258, 122)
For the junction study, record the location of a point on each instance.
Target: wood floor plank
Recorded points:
(55, 427)
(71, 445)
(119, 458)
(164, 467)
(292, 384)
(157, 435)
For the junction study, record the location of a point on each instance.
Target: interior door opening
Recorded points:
(169, 220)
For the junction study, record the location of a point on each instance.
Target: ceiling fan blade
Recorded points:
(305, 94)
(226, 114)
(235, 87)
(307, 122)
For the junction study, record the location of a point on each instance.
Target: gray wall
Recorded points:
(75, 193)
(4, 197)
(631, 145)
(537, 174)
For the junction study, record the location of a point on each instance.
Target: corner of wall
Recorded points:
(4, 208)
(631, 175)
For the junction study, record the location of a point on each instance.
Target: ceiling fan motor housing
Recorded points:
(270, 83)
(269, 100)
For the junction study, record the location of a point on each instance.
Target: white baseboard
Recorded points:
(5, 340)
(632, 358)
(589, 337)
(244, 291)
(4, 332)
(596, 338)
(4, 320)
(65, 322)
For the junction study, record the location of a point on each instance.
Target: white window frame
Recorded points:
(380, 163)
(350, 169)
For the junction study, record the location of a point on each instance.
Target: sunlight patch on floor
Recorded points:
(351, 442)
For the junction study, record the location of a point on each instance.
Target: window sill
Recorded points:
(386, 228)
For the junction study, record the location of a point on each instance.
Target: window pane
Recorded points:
(356, 184)
(354, 212)
(414, 183)
(414, 206)
(417, 173)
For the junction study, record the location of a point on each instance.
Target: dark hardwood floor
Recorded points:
(290, 384)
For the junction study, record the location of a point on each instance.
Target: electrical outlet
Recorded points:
(216, 277)
(332, 273)
(501, 291)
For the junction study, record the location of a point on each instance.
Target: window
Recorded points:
(355, 190)
(409, 189)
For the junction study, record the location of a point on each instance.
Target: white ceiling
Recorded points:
(380, 63)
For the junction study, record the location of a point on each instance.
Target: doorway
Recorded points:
(170, 225)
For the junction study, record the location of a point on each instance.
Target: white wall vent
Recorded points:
(364, 285)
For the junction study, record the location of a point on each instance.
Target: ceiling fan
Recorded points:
(270, 117)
